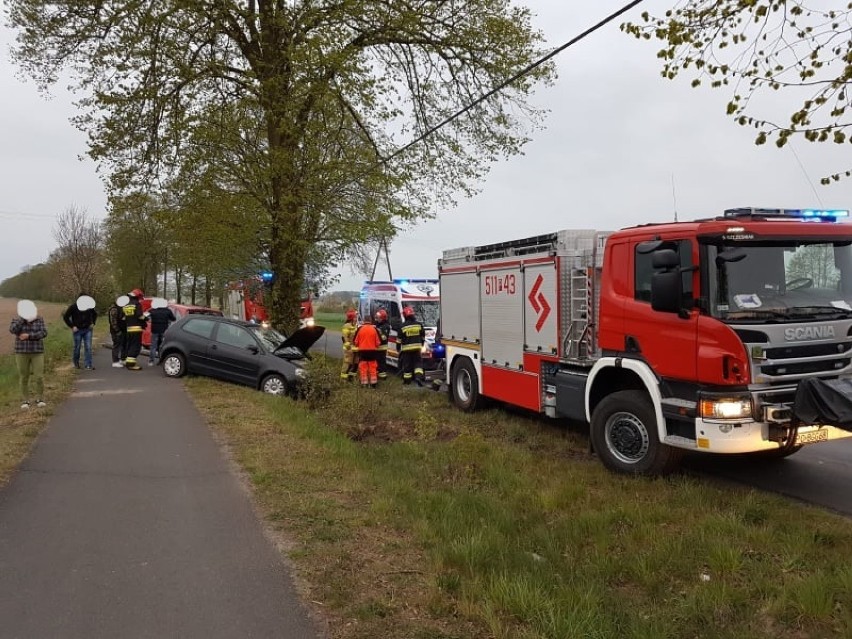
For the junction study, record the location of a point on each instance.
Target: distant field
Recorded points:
(332, 321)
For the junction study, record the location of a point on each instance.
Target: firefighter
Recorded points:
(347, 371)
(411, 337)
(134, 324)
(383, 326)
(367, 343)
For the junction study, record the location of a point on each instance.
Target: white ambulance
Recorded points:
(423, 295)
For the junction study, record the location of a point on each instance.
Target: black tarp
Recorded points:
(824, 401)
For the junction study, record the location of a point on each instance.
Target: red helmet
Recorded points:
(408, 312)
(381, 315)
(137, 293)
(351, 315)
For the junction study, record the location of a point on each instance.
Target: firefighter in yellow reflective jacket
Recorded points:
(133, 321)
(383, 326)
(347, 371)
(411, 337)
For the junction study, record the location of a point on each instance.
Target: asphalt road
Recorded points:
(126, 521)
(819, 474)
(329, 344)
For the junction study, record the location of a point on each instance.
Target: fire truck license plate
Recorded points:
(820, 435)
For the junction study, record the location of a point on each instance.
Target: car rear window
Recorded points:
(204, 311)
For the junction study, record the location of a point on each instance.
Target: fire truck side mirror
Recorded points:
(666, 282)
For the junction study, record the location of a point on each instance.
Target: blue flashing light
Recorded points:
(802, 214)
(402, 282)
(439, 351)
(824, 213)
(267, 276)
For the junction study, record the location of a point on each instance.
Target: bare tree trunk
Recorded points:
(194, 288)
(208, 292)
(178, 284)
(166, 274)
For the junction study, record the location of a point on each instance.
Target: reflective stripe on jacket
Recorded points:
(132, 317)
(411, 335)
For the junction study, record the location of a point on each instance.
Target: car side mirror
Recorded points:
(253, 349)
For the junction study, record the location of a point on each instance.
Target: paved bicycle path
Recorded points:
(127, 522)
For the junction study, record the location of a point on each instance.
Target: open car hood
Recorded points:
(302, 339)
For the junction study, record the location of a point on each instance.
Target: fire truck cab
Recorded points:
(726, 335)
(423, 295)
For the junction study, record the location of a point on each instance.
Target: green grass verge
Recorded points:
(18, 428)
(408, 519)
(332, 321)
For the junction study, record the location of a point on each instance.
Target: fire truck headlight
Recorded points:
(310, 321)
(726, 408)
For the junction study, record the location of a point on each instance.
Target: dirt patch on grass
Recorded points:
(9, 309)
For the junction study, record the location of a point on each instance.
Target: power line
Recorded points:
(37, 216)
(517, 76)
(807, 177)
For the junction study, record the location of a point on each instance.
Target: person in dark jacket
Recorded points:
(411, 338)
(80, 317)
(160, 316)
(134, 324)
(29, 331)
(117, 332)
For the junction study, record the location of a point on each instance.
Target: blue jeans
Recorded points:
(83, 336)
(156, 344)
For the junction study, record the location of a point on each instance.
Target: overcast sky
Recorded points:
(616, 137)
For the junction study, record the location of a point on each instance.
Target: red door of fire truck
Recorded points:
(667, 341)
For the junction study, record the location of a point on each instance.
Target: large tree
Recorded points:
(302, 100)
(753, 46)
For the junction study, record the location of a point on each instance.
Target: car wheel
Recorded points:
(274, 385)
(174, 365)
(465, 386)
(624, 435)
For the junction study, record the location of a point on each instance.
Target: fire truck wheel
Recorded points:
(174, 365)
(624, 435)
(464, 385)
(274, 385)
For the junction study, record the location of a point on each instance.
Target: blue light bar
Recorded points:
(812, 214)
(267, 276)
(832, 213)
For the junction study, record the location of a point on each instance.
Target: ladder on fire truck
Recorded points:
(578, 338)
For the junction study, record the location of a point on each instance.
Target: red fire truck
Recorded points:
(725, 335)
(244, 300)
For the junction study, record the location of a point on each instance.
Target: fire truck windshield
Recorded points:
(780, 280)
(427, 313)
